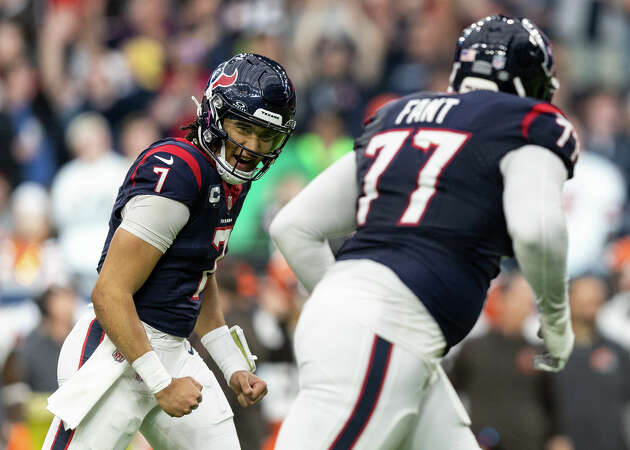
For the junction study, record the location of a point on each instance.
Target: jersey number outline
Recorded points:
(567, 131)
(163, 172)
(219, 242)
(385, 146)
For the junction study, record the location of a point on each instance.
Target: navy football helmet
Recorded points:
(252, 88)
(504, 54)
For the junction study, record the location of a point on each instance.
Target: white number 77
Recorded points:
(446, 142)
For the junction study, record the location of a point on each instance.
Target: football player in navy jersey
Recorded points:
(127, 365)
(439, 188)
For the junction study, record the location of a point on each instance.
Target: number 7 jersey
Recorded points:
(431, 192)
(169, 300)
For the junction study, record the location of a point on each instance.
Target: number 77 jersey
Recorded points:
(431, 192)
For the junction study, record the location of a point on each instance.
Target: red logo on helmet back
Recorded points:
(225, 80)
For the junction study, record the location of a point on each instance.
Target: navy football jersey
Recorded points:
(431, 191)
(169, 300)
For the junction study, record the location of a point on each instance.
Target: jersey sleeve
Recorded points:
(168, 171)
(546, 126)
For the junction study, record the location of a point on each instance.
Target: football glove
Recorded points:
(558, 338)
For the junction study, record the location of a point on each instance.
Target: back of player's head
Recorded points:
(504, 54)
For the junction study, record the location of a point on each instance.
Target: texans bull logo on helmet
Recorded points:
(224, 80)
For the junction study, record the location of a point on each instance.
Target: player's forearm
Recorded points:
(543, 263)
(211, 314)
(117, 315)
(227, 347)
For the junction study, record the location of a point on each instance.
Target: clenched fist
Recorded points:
(249, 389)
(180, 397)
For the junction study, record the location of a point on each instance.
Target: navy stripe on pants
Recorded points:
(94, 337)
(370, 392)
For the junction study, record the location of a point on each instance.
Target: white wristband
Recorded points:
(224, 351)
(152, 372)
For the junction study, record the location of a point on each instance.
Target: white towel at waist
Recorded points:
(76, 397)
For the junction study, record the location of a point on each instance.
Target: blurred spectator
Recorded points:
(8, 163)
(59, 49)
(602, 130)
(594, 388)
(39, 352)
(595, 35)
(593, 201)
(323, 145)
(187, 76)
(12, 45)
(201, 22)
(138, 133)
(333, 89)
(5, 207)
(603, 133)
(13, 393)
(427, 47)
(32, 147)
(338, 55)
(614, 319)
(83, 194)
(30, 260)
(510, 403)
(40, 349)
(339, 25)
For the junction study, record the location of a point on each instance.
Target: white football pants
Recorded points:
(360, 390)
(128, 406)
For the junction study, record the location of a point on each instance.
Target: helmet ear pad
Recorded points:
(212, 135)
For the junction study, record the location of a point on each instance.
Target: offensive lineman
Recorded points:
(169, 226)
(439, 188)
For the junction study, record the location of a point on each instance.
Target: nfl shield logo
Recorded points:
(118, 357)
(229, 202)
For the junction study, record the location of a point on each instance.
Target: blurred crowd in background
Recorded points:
(86, 85)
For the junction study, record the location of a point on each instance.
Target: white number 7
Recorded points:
(447, 145)
(162, 171)
(387, 145)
